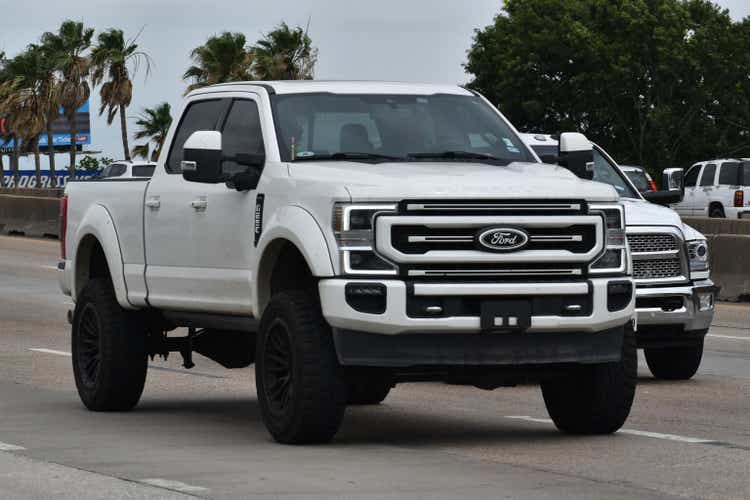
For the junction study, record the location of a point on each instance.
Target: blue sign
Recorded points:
(60, 130)
(27, 178)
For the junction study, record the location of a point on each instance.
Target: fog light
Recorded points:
(619, 295)
(366, 297)
(705, 301)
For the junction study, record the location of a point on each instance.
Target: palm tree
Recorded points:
(223, 58)
(154, 125)
(284, 54)
(50, 95)
(4, 138)
(19, 100)
(68, 47)
(111, 56)
(27, 101)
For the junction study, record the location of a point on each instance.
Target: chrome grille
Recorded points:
(657, 268)
(649, 243)
(439, 238)
(657, 257)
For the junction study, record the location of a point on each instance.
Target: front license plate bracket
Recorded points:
(505, 316)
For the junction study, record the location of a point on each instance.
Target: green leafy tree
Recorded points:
(284, 54)
(658, 82)
(110, 59)
(223, 58)
(90, 164)
(153, 125)
(69, 49)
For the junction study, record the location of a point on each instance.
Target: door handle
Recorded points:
(153, 203)
(199, 204)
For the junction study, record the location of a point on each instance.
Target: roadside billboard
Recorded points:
(60, 130)
(27, 178)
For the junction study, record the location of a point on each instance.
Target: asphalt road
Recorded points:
(199, 433)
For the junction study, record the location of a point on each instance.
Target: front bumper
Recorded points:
(676, 306)
(395, 320)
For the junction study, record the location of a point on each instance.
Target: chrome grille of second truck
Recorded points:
(657, 257)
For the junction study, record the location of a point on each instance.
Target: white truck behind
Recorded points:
(348, 236)
(674, 292)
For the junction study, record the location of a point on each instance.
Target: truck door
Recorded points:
(199, 237)
(687, 205)
(704, 191)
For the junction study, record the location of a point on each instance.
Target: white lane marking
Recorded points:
(50, 267)
(633, 432)
(668, 437)
(727, 337)
(530, 419)
(151, 367)
(50, 351)
(10, 447)
(173, 485)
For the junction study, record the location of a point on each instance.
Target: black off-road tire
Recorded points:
(675, 363)
(108, 350)
(369, 392)
(716, 212)
(594, 399)
(300, 385)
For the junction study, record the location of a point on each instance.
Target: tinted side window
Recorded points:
(143, 170)
(707, 179)
(241, 134)
(201, 115)
(114, 170)
(692, 176)
(729, 175)
(746, 177)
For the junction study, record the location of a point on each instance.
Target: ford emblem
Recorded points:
(502, 239)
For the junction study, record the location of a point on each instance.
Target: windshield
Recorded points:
(383, 127)
(604, 171)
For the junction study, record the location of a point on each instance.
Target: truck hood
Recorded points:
(644, 213)
(453, 180)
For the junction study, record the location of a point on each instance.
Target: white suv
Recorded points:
(717, 188)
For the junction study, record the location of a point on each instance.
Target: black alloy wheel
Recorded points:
(278, 368)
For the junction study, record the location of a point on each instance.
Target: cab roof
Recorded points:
(342, 87)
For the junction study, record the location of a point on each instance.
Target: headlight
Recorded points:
(352, 226)
(698, 253)
(614, 259)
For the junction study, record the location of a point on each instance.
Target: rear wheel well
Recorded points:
(283, 268)
(91, 262)
(715, 205)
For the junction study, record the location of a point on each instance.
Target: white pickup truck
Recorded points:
(674, 293)
(348, 236)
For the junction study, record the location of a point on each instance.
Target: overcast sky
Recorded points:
(408, 40)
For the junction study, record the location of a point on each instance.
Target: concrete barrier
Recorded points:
(32, 212)
(729, 243)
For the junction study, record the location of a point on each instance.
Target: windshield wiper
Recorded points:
(458, 155)
(353, 155)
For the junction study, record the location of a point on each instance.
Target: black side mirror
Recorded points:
(576, 153)
(201, 157)
(665, 198)
(551, 159)
(673, 188)
(245, 181)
